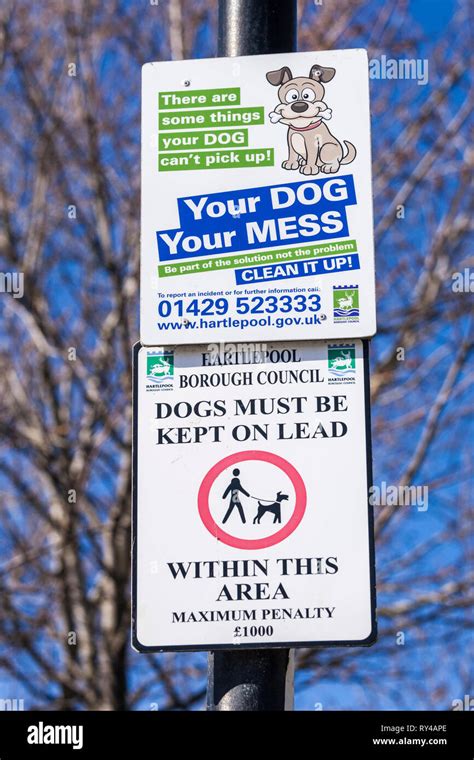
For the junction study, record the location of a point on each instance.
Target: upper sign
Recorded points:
(251, 518)
(256, 199)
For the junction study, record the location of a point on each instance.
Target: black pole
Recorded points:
(253, 27)
(253, 679)
(250, 680)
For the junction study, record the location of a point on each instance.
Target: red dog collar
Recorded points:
(305, 129)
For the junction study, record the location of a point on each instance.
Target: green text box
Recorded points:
(216, 159)
(229, 96)
(198, 140)
(215, 117)
(257, 259)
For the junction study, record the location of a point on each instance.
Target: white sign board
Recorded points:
(251, 519)
(256, 199)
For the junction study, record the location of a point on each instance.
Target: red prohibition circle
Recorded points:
(248, 543)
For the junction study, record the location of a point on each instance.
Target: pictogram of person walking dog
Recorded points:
(235, 488)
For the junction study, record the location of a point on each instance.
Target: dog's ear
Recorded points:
(321, 73)
(280, 76)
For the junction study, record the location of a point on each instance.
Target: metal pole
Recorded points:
(250, 680)
(254, 27)
(253, 679)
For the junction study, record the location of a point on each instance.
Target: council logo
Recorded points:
(159, 370)
(345, 299)
(341, 363)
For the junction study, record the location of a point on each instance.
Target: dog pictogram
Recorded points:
(273, 508)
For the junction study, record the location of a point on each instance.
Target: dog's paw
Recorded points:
(307, 169)
(274, 117)
(290, 164)
(330, 168)
(327, 114)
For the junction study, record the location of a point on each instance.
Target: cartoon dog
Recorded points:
(274, 508)
(311, 145)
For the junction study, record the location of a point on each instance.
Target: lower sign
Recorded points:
(251, 474)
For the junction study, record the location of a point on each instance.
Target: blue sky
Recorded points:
(432, 15)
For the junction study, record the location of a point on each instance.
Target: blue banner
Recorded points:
(297, 269)
(259, 217)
